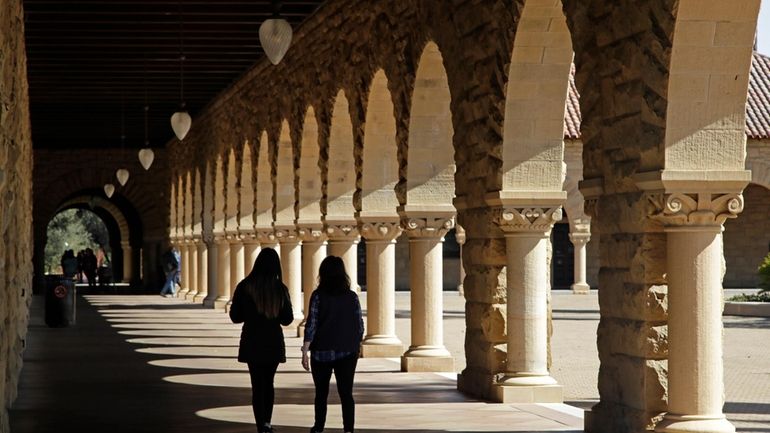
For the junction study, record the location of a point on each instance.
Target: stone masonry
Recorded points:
(15, 202)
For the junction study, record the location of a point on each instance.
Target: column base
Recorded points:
(221, 303)
(427, 364)
(182, 294)
(228, 305)
(581, 289)
(529, 394)
(190, 296)
(200, 298)
(528, 388)
(694, 424)
(382, 347)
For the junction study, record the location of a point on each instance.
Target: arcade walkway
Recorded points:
(168, 366)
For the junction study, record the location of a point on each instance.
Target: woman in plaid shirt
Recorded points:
(333, 336)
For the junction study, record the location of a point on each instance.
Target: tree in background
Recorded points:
(73, 229)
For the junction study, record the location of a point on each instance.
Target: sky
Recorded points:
(763, 28)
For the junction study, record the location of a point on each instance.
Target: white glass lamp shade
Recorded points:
(122, 175)
(146, 156)
(109, 189)
(181, 123)
(275, 37)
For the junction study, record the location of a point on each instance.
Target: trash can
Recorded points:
(59, 301)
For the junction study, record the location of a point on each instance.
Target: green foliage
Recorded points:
(759, 297)
(764, 275)
(73, 229)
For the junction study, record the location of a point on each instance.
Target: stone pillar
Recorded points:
(128, 262)
(193, 274)
(343, 243)
(381, 340)
(212, 263)
(203, 272)
(223, 273)
(527, 233)
(581, 234)
(313, 252)
(251, 250)
(460, 236)
(267, 239)
(236, 266)
(426, 236)
(695, 267)
(184, 253)
(291, 264)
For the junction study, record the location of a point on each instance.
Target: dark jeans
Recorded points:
(262, 392)
(344, 370)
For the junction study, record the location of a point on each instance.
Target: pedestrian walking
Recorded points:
(261, 302)
(333, 334)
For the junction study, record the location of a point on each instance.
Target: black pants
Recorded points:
(344, 370)
(262, 392)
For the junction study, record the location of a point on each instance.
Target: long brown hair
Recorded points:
(264, 284)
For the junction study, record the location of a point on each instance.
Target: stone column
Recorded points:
(236, 266)
(128, 262)
(426, 236)
(184, 253)
(695, 267)
(381, 340)
(581, 234)
(193, 274)
(291, 266)
(251, 250)
(343, 243)
(212, 264)
(203, 272)
(313, 252)
(267, 239)
(460, 236)
(527, 233)
(223, 273)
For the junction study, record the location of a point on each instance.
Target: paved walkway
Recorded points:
(150, 364)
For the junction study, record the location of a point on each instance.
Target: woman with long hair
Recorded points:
(261, 302)
(333, 334)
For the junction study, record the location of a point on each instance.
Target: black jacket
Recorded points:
(261, 338)
(338, 322)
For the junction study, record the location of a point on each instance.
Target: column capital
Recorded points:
(525, 219)
(343, 231)
(311, 233)
(374, 231)
(265, 235)
(286, 234)
(693, 211)
(417, 225)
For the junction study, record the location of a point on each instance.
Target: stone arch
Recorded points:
(247, 197)
(91, 202)
(380, 151)
(173, 210)
(197, 207)
(207, 204)
(179, 207)
(284, 178)
(340, 174)
(430, 153)
(538, 77)
(264, 211)
(219, 201)
(232, 193)
(309, 193)
(188, 204)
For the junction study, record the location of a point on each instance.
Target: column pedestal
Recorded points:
(527, 234)
(426, 236)
(381, 340)
(202, 258)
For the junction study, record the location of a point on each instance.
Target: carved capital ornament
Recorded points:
(528, 219)
(702, 209)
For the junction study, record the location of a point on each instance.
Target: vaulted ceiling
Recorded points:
(92, 63)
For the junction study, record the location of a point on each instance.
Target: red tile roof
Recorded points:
(757, 104)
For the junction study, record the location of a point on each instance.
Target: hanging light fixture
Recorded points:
(181, 120)
(122, 173)
(109, 189)
(275, 35)
(146, 155)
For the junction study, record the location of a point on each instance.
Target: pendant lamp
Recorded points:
(275, 36)
(146, 155)
(181, 120)
(109, 189)
(122, 175)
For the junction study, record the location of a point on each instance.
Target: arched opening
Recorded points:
(747, 240)
(284, 178)
(79, 230)
(341, 174)
(309, 172)
(264, 210)
(232, 199)
(248, 198)
(219, 198)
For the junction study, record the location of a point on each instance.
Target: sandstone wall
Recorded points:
(15, 202)
(746, 239)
